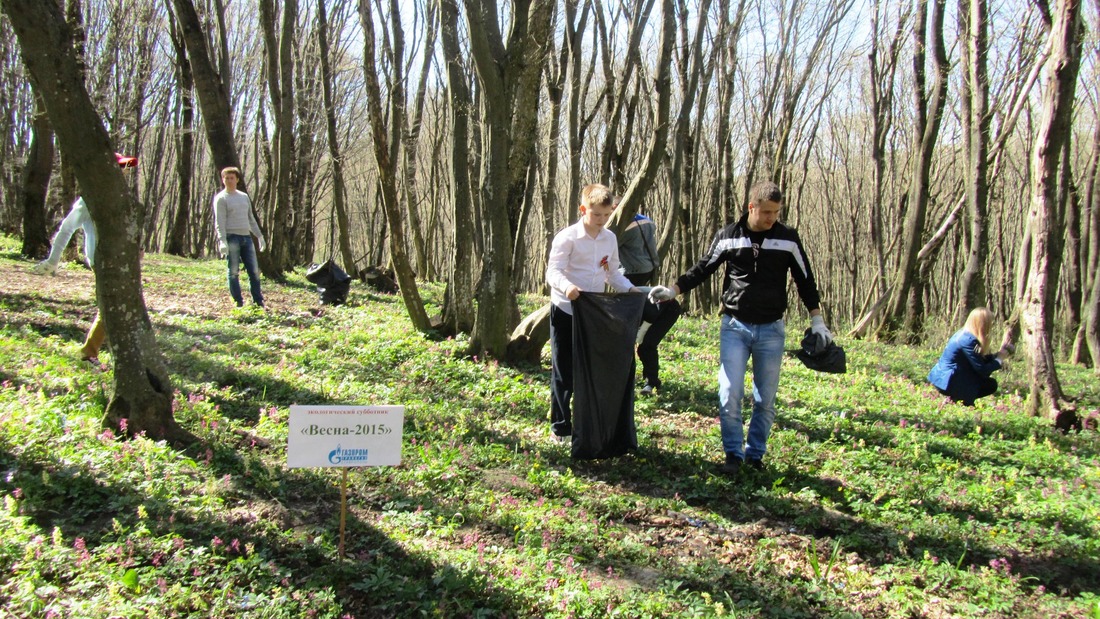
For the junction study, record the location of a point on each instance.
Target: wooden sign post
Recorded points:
(344, 436)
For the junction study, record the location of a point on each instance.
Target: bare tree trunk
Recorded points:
(185, 145)
(510, 72)
(35, 182)
(882, 105)
(643, 180)
(616, 101)
(411, 141)
(580, 117)
(976, 118)
(142, 398)
(1037, 303)
(387, 173)
(217, 115)
(458, 307)
(280, 81)
(1069, 204)
(906, 314)
(339, 190)
(1091, 312)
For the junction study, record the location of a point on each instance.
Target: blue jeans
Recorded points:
(764, 342)
(242, 250)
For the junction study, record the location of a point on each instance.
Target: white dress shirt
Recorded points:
(585, 262)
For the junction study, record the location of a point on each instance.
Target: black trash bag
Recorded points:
(821, 357)
(605, 327)
(332, 282)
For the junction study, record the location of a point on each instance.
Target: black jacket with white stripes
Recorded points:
(755, 287)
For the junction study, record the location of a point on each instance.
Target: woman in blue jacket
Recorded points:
(963, 371)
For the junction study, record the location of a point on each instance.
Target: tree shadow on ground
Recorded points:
(294, 528)
(823, 512)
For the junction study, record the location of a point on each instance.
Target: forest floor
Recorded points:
(879, 499)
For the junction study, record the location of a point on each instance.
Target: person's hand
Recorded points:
(223, 249)
(817, 327)
(572, 292)
(661, 293)
(263, 244)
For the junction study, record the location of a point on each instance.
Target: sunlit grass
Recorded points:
(880, 499)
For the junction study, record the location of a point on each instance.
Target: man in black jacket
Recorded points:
(757, 252)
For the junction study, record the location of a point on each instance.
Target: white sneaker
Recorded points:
(45, 268)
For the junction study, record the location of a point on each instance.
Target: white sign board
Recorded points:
(344, 436)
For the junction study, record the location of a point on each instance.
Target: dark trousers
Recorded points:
(561, 372)
(661, 317)
(986, 386)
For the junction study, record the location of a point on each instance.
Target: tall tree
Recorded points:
(280, 83)
(35, 181)
(142, 398)
(414, 122)
(974, 33)
(1036, 307)
(185, 143)
(385, 155)
(1091, 312)
(883, 65)
(458, 307)
(217, 113)
(510, 73)
(644, 179)
(339, 187)
(906, 310)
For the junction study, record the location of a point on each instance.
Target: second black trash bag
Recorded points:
(332, 282)
(605, 327)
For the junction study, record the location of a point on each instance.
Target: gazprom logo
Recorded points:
(344, 456)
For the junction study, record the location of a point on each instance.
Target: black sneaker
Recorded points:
(755, 463)
(648, 390)
(731, 466)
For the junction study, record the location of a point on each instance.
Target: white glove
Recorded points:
(661, 293)
(263, 244)
(817, 327)
(223, 249)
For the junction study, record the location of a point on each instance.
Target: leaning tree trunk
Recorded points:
(35, 181)
(906, 311)
(387, 176)
(644, 179)
(217, 114)
(1037, 304)
(142, 397)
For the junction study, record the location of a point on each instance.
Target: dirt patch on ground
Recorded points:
(74, 284)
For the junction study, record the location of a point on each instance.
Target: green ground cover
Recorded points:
(880, 500)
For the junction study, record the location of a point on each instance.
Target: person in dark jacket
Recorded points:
(963, 371)
(638, 255)
(757, 252)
